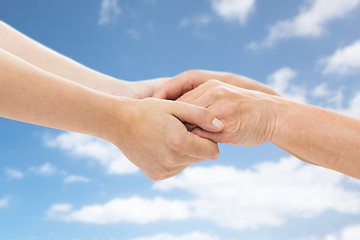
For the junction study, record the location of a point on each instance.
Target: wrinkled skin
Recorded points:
(249, 116)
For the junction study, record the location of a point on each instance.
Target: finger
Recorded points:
(199, 91)
(174, 88)
(215, 137)
(205, 100)
(196, 115)
(200, 148)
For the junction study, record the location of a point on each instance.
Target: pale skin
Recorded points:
(33, 95)
(43, 87)
(312, 134)
(45, 58)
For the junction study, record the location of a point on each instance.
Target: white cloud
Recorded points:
(264, 195)
(76, 178)
(188, 236)
(109, 11)
(234, 9)
(14, 173)
(352, 109)
(98, 150)
(310, 22)
(321, 90)
(348, 233)
(47, 169)
(335, 100)
(308, 238)
(135, 209)
(4, 203)
(344, 61)
(280, 81)
(332, 99)
(57, 210)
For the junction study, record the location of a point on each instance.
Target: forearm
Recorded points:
(32, 95)
(51, 61)
(319, 136)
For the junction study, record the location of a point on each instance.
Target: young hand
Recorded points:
(152, 135)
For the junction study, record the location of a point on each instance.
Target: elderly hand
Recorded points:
(179, 85)
(249, 116)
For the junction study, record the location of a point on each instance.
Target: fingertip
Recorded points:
(219, 125)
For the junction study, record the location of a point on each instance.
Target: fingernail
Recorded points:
(217, 123)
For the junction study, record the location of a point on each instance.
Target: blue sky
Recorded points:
(59, 185)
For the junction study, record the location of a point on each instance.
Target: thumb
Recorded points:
(197, 115)
(172, 89)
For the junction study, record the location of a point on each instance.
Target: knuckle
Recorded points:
(177, 143)
(219, 92)
(213, 82)
(191, 72)
(202, 113)
(233, 125)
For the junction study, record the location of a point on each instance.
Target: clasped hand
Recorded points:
(183, 122)
(218, 111)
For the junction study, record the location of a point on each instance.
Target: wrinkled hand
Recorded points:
(155, 139)
(181, 84)
(249, 116)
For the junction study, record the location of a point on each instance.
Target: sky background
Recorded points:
(65, 186)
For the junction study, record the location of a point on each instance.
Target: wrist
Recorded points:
(118, 115)
(116, 87)
(284, 120)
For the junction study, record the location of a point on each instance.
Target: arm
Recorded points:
(319, 136)
(315, 135)
(186, 81)
(137, 127)
(51, 61)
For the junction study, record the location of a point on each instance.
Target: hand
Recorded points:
(179, 85)
(146, 88)
(137, 90)
(249, 116)
(154, 138)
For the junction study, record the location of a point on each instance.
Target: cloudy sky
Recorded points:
(65, 186)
